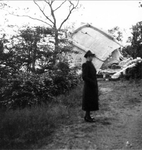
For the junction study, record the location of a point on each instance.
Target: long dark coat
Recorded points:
(90, 90)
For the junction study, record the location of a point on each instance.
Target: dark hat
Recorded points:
(89, 53)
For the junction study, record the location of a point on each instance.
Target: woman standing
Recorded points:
(90, 91)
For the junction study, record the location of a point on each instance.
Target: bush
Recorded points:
(64, 82)
(28, 89)
(135, 72)
(25, 89)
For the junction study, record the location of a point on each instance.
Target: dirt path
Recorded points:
(118, 122)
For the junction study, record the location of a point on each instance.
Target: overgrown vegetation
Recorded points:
(23, 128)
(34, 80)
(27, 89)
(33, 73)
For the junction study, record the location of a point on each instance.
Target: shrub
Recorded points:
(28, 89)
(135, 72)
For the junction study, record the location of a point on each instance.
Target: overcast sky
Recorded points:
(108, 14)
(101, 14)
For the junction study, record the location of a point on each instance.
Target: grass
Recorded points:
(124, 94)
(23, 128)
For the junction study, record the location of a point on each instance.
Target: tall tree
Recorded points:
(135, 49)
(32, 47)
(8, 64)
(136, 41)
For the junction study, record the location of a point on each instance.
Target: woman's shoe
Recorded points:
(89, 119)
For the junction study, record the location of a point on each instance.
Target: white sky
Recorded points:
(108, 14)
(102, 14)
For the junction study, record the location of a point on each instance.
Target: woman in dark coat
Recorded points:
(90, 91)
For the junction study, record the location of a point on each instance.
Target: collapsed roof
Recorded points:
(99, 42)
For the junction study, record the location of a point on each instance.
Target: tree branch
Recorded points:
(70, 11)
(43, 11)
(53, 15)
(52, 1)
(49, 2)
(32, 18)
(60, 5)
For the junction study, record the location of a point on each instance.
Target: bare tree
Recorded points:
(51, 19)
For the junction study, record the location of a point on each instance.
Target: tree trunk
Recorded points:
(56, 49)
(56, 40)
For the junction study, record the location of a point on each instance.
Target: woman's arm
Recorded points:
(85, 75)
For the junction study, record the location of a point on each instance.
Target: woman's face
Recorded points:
(91, 58)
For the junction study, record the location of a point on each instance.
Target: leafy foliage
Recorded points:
(135, 50)
(33, 73)
(32, 48)
(26, 89)
(117, 34)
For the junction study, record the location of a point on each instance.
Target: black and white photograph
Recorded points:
(70, 75)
